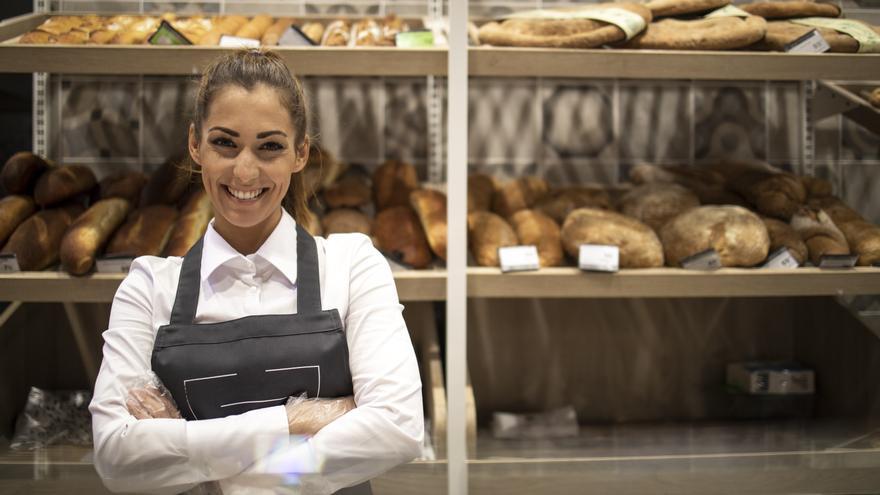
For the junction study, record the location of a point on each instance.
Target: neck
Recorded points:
(246, 240)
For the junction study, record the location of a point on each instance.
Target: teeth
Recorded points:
(244, 195)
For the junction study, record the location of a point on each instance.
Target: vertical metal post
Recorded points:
(40, 130)
(434, 104)
(456, 263)
(808, 130)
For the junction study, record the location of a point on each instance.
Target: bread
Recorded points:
(664, 8)
(816, 187)
(430, 206)
(166, 185)
(864, 240)
(229, 25)
(519, 194)
(256, 27)
(13, 211)
(398, 233)
(393, 182)
(819, 233)
(873, 97)
(276, 31)
(61, 183)
(481, 188)
(486, 233)
(322, 170)
(783, 235)
(193, 28)
(126, 185)
(773, 193)
(337, 33)
(537, 229)
(391, 26)
(839, 211)
(145, 232)
(656, 204)
(36, 241)
(791, 8)
(367, 32)
(738, 235)
(707, 184)
(314, 30)
(560, 33)
(559, 203)
(714, 33)
(639, 245)
(90, 232)
(136, 33)
(345, 220)
(781, 33)
(352, 190)
(21, 172)
(191, 224)
(38, 38)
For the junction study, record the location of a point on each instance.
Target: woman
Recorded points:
(257, 311)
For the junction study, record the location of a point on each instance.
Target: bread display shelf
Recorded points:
(848, 99)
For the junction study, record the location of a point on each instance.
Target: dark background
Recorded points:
(15, 96)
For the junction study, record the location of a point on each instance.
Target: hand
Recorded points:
(149, 403)
(308, 416)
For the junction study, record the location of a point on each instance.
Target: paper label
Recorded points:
(869, 40)
(838, 261)
(781, 258)
(167, 35)
(414, 39)
(812, 42)
(598, 258)
(9, 263)
(728, 11)
(705, 260)
(518, 258)
(630, 22)
(294, 37)
(236, 42)
(114, 264)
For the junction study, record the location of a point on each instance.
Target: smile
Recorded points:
(245, 195)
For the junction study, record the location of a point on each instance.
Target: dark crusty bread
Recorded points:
(14, 210)
(784, 235)
(145, 232)
(560, 202)
(486, 233)
(481, 187)
(37, 240)
(398, 233)
(90, 232)
(537, 229)
(126, 185)
(657, 203)
(519, 194)
(639, 245)
(393, 181)
(62, 183)
(772, 192)
(167, 184)
(21, 172)
(863, 238)
(430, 206)
(191, 224)
(352, 190)
(346, 220)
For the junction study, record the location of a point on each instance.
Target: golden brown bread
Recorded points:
(136, 33)
(714, 33)
(816, 187)
(839, 211)
(89, 232)
(784, 235)
(738, 235)
(256, 27)
(276, 31)
(36, 241)
(519, 194)
(14, 210)
(61, 183)
(393, 182)
(819, 233)
(639, 245)
(229, 24)
(430, 206)
(314, 30)
(352, 190)
(863, 238)
(366, 32)
(791, 8)
(126, 185)
(772, 192)
(322, 170)
(655, 204)
(663, 8)
(21, 172)
(337, 33)
(145, 232)
(391, 26)
(346, 220)
(486, 233)
(781, 33)
(481, 187)
(166, 185)
(38, 38)
(191, 224)
(560, 202)
(398, 233)
(537, 229)
(707, 184)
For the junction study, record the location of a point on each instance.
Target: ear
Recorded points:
(302, 155)
(193, 145)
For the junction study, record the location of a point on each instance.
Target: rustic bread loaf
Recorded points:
(783, 235)
(738, 235)
(863, 238)
(276, 31)
(714, 33)
(256, 27)
(393, 182)
(708, 185)
(781, 33)
(560, 202)
(839, 211)
(816, 187)
(398, 233)
(486, 233)
(14, 210)
(89, 233)
(819, 233)
(346, 220)
(126, 185)
(62, 183)
(192, 223)
(537, 229)
(481, 187)
(337, 33)
(655, 204)
(430, 206)
(352, 190)
(37, 240)
(21, 172)
(774, 193)
(167, 184)
(791, 8)
(519, 194)
(145, 232)
(639, 245)
(665, 8)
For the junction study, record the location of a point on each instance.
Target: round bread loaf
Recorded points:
(560, 202)
(518, 194)
(738, 235)
(656, 204)
(773, 192)
(791, 8)
(537, 229)
(21, 172)
(346, 220)
(783, 235)
(639, 245)
(714, 33)
(398, 233)
(486, 233)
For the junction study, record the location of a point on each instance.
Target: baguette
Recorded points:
(398, 233)
(13, 211)
(276, 31)
(166, 185)
(864, 240)
(430, 206)
(191, 224)
(90, 232)
(535, 228)
(61, 183)
(37, 240)
(127, 185)
(145, 232)
(228, 25)
(486, 233)
(21, 172)
(256, 27)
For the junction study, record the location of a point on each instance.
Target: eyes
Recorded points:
(225, 142)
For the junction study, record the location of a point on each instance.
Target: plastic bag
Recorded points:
(52, 418)
(308, 416)
(148, 398)
(557, 423)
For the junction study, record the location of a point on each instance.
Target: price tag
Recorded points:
(812, 42)
(167, 35)
(781, 258)
(414, 39)
(705, 260)
(518, 258)
(114, 264)
(599, 258)
(728, 11)
(838, 261)
(9, 263)
(236, 42)
(294, 37)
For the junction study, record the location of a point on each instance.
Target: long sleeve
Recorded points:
(163, 455)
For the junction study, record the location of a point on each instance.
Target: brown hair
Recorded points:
(247, 68)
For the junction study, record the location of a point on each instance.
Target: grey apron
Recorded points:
(218, 369)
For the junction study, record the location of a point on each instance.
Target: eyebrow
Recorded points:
(227, 131)
(265, 134)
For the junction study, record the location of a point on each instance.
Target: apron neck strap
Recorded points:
(308, 288)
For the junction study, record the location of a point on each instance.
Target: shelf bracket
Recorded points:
(835, 99)
(8, 312)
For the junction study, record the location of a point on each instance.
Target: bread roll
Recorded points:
(127, 185)
(256, 27)
(191, 224)
(229, 24)
(21, 172)
(391, 26)
(398, 233)
(430, 206)
(337, 33)
(481, 187)
(559, 203)
(366, 32)
(314, 30)
(639, 245)
(38, 38)
(656, 204)
(13, 211)
(738, 235)
(166, 185)
(276, 31)
(537, 229)
(816, 187)
(346, 220)
(819, 233)
(322, 170)
(90, 232)
(145, 232)
(773, 193)
(36, 241)
(839, 211)
(519, 194)
(393, 182)
(61, 183)
(486, 233)
(352, 190)
(864, 240)
(783, 235)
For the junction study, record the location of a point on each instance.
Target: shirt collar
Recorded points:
(279, 249)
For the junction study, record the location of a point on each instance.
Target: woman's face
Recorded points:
(247, 154)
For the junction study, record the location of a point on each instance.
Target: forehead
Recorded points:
(238, 108)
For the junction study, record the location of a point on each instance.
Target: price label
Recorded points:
(414, 39)
(781, 258)
(114, 264)
(294, 37)
(236, 42)
(812, 42)
(728, 11)
(704, 260)
(838, 261)
(518, 258)
(167, 35)
(9, 263)
(599, 258)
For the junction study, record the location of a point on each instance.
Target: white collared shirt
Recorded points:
(172, 455)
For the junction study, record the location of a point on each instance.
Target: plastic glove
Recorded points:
(307, 416)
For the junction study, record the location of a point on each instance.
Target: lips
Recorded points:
(245, 195)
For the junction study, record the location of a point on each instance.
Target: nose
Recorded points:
(246, 169)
